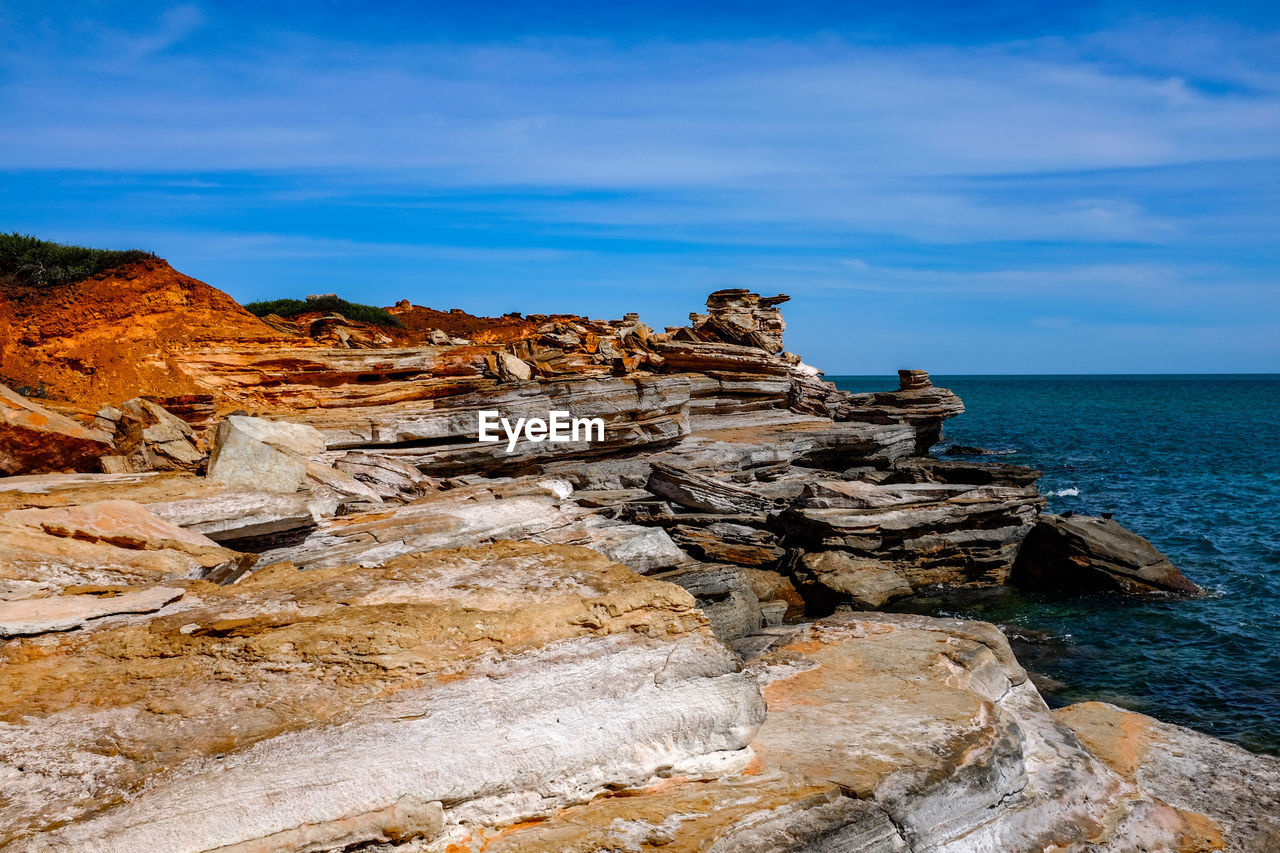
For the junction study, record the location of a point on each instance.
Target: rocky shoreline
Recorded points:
(261, 589)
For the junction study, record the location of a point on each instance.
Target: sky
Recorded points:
(986, 187)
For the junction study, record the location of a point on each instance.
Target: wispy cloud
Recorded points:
(1131, 167)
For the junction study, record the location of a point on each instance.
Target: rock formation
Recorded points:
(278, 596)
(1081, 554)
(34, 439)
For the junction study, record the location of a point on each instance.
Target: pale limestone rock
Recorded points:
(512, 369)
(31, 616)
(299, 439)
(242, 513)
(241, 460)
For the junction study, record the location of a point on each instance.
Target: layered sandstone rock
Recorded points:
(928, 533)
(962, 753)
(1081, 554)
(441, 691)
(34, 439)
(402, 676)
(114, 543)
(1237, 792)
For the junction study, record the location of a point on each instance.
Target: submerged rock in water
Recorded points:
(1084, 554)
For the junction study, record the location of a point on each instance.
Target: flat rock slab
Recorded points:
(107, 543)
(66, 612)
(1237, 791)
(934, 721)
(123, 523)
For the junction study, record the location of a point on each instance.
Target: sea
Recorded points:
(1193, 464)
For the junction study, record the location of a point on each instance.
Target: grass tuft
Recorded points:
(351, 310)
(30, 261)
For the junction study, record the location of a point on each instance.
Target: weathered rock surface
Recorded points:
(106, 543)
(30, 616)
(767, 813)
(403, 676)
(241, 459)
(928, 533)
(1082, 554)
(725, 594)
(34, 439)
(1237, 792)
(829, 578)
(933, 721)
(148, 437)
(464, 679)
(725, 542)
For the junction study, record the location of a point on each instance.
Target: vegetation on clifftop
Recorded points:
(27, 260)
(351, 310)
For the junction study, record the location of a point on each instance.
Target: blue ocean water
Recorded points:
(1193, 464)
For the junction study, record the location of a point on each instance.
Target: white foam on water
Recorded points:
(1068, 493)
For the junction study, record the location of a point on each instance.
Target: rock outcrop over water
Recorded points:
(1084, 554)
(263, 588)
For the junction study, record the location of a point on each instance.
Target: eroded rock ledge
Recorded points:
(272, 594)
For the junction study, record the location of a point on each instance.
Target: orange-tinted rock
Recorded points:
(35, 440)
(118, 335)
(330, 709)
(1236, 792)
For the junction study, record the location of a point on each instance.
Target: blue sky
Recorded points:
(967, 188)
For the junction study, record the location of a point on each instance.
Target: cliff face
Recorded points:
(342, 622)
(114, 336)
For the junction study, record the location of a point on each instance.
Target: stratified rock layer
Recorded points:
(1237, 792)
(34, 439)
(498, 684)
(1082, 553)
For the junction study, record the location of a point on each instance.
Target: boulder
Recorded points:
(241, 460)
(725, 542)
(34, 440)
(149, 438)
(929, 533)
(511, 369)
(1086, 554)
(303, 441)
(725, 595)
(829, 578)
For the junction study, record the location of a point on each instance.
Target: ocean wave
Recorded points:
(1071, 492)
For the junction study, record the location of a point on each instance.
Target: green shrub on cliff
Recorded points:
(30, 261)
(351, 310)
